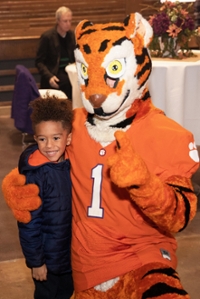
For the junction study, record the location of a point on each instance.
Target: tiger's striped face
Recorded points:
(113, 64)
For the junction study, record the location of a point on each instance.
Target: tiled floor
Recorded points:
(15, 278)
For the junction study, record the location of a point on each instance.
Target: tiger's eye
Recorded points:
(116, 68)
(84, 70)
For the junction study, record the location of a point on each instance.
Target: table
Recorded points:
(174, 86)
(76, 94)
(52, 92)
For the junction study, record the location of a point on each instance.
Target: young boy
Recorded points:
(46, 239)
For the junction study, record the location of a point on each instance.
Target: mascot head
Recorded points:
(113, 64)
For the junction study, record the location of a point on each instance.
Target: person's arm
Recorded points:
(41, 61)
(31, 235)
(31, 239)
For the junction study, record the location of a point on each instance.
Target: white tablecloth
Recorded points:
(52, 92)
(175, 88)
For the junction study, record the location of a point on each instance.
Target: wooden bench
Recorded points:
(35, 13)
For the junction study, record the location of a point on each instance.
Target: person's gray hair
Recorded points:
(61, 10)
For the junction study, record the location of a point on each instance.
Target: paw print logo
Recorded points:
(193, 153)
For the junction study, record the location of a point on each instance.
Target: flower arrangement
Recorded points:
(173, 27)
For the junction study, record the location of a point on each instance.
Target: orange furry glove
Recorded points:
(20, 198)
(128, 170)
(170, 204)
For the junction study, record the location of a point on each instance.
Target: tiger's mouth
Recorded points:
(100, 112)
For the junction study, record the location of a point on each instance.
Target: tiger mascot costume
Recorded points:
(130, 168)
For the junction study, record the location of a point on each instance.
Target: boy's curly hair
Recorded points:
(52, 109)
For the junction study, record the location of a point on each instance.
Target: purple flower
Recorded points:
(172, 20)
(188, 24)
(160, 23)
(179, 22)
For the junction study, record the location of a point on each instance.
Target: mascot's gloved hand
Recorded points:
(162, 202)
(128, 170)
(20, 198)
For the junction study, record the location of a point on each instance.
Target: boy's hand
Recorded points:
(40, 273)
(20, 198)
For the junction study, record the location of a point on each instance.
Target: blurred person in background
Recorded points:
(55, 52)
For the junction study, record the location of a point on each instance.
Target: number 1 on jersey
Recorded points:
(95, 209)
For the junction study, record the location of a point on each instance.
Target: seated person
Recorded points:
(55, 52)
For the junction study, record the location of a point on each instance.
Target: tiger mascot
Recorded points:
(130, 168)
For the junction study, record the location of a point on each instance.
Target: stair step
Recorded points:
(5, 109)
(11, 87)
(11, 72)
(6, 88)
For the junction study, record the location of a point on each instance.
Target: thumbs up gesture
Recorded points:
(127, 169)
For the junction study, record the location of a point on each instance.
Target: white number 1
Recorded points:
(95, 209)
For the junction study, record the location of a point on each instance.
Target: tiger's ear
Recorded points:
(81, 27)
(136, 24)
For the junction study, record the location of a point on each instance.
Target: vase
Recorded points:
(168, 47)
(165, 46)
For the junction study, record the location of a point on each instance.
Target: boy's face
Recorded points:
(52, 139)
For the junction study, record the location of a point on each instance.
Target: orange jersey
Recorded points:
(110, 234)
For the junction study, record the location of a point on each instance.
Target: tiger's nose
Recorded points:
(96, 100)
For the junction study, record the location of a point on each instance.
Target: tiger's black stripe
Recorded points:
(180, 190)
(147, 66)
(122, 124)
(87, 49)
(160, 289)
(112, 28)
(89, 31)
(104, 45)
(86, 24)
(140, 58)
(146, 96)
(126, 20)
(119, 41)
(165, 271)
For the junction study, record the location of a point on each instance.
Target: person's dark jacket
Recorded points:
(46, 239)
(48, 54)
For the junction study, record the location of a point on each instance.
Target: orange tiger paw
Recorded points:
(22, 216)
(20, 198)
(126, 167)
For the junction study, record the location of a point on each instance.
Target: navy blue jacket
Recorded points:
(46, 239)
